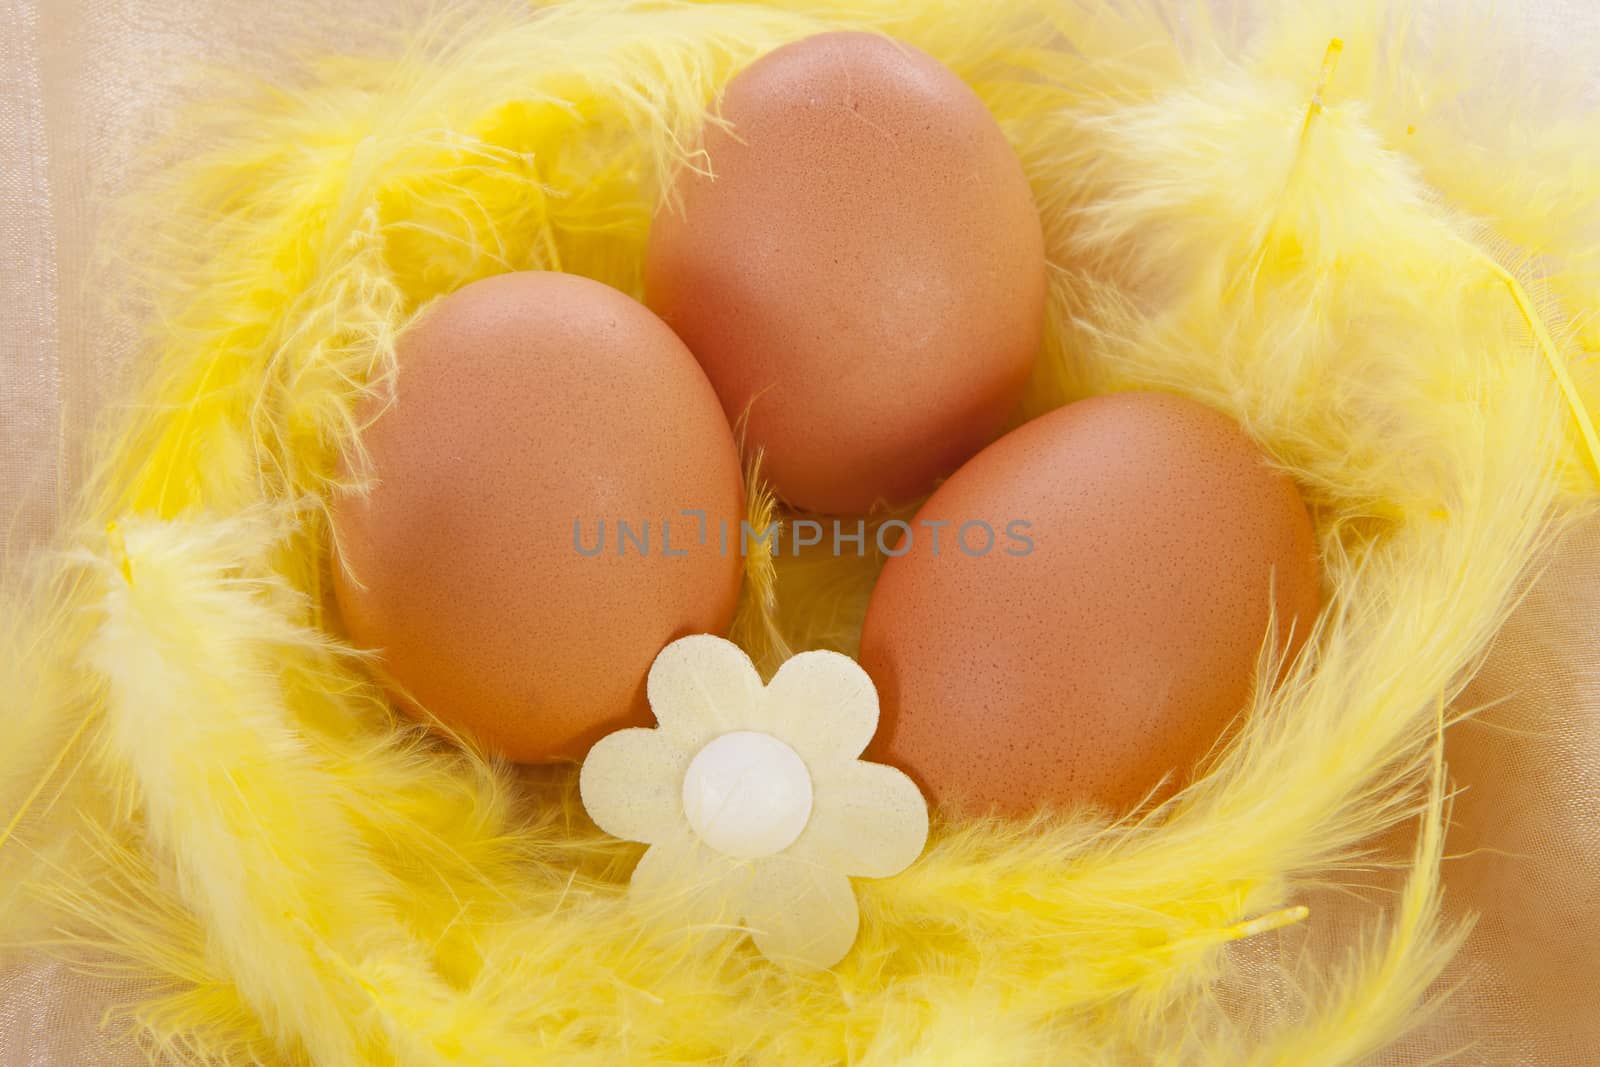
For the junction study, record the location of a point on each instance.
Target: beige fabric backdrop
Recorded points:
(85, 85)
(86, 88)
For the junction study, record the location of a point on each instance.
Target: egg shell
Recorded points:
(865, 273)
(525, 403)
(1114, 653)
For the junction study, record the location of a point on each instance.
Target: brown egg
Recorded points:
(865, 274)
(1110, 632)
(533, 412)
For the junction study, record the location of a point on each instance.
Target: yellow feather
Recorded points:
(256, 827)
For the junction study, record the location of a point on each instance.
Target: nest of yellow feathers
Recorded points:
(211, 792)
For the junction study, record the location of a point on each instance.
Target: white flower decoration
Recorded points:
(752, 799)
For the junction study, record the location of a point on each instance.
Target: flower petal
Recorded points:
(701, 687)
(867, 819)
(802, 915)
(824, 705)
(686, 887)
(631, 785)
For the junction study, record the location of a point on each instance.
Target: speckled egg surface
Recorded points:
(865, 273)
(1108, 643)
(526, 403)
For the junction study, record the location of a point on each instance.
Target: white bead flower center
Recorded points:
(747, 794)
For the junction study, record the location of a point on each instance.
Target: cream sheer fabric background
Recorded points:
(87, 85)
